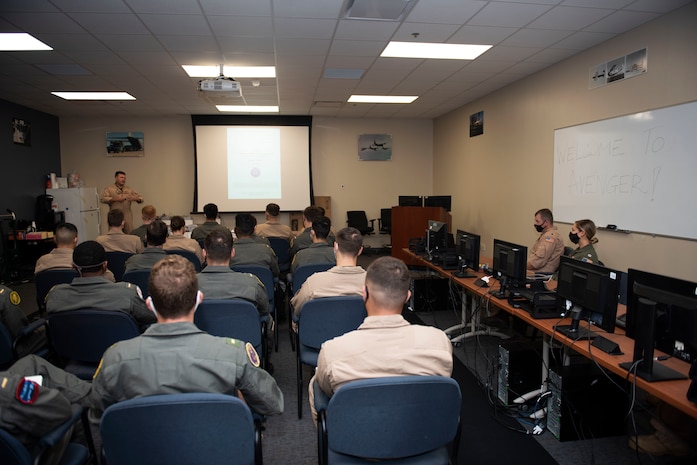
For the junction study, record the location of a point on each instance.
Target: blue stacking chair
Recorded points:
(45, 280)
(265, 275)
(139, 278)
(299, 277)
(281, 248)
(116, 262)
(188, 255)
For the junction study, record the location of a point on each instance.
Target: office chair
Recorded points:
(320, 320)
(13, 452)
(266, 277)
(45, 280)
(281, 248)
(385, 221)
(80, 337)
(403, 420)
(181, 429)
(188, 255)
(298, 278)
(116, 262)
(139, 278)
(358, 219)
(235, 318)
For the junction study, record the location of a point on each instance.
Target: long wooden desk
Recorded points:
(673, 392)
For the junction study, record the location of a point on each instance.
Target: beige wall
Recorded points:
(165, 175)
(498, 180)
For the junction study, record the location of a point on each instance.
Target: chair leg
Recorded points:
(299, 369)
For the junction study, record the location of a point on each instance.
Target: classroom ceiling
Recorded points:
(321, 54)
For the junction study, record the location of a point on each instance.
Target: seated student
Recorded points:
(199, 233)
(582, 234)
(148, 215)
(320, 251)
(175, 356)
(178, 241)
(549, 246)
(273, 227)
(91, 290)
(116, 240)
(156, 235)
(304, 240)
(249, 251)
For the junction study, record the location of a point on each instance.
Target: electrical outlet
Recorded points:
(482, 247)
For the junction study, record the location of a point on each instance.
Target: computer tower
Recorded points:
(584, 403)
(430, 293)
(519, 370)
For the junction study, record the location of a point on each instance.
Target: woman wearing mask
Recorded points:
(583, 235)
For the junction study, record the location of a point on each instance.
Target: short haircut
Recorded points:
(244, 224)
(545, 214)
(211, 211)
(321, 226)
(322, 211)
(156, 233)
(115, 217)
(177, 222)
(65, 233)
(312, 212)
(89, 256)
(218, 245)
(349, 241)
(387, 280)
(148, 212)
(173, 286)
(119, 172)
(273, 209)
(588, 227)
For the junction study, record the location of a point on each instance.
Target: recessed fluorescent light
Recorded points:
(94, 95)
(437, 51)
(248, 108)
(382, 98)
(20, 41)
(195, 71)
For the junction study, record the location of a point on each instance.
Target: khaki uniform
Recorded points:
(62, 259)
(145, 260)
(220, 282)
(274, 229)
(318, 252)
(118, 241)
(179, 357)
(181, 242)
(112, 191)
(546, 251)
(339, 280)
(382, 346)
(250, 252)
(200, 232)
(99, 294)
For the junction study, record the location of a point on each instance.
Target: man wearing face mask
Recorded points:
(548, 248)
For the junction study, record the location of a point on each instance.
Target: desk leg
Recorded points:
(476, 327)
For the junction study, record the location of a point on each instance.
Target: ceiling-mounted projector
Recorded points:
(220, 85)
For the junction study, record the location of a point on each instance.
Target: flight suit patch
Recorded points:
(27, 391)
(15, 298)
(252, 354)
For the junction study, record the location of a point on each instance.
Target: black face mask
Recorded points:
(573, 237)
(539, 228)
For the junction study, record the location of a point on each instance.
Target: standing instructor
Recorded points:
(120, 196)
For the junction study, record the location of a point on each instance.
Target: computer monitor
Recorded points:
(467, 245)
(589, 292)
(436, 237)
(661, 314)
(438, 201)
(410, 201)
(509, 266)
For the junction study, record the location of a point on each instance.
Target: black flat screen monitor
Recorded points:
(436, 237)
(509, 266)
(467, 245)
(438, 201)
(661, 314)
(587, 292)
(410, 201)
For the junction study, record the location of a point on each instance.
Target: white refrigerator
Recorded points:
(81, 208)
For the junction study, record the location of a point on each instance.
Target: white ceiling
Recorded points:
(139, 46)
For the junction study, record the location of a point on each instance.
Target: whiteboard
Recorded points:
(638, 172)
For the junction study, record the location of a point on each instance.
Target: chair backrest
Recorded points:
(188, 255)
(357, 219)
(180, 428)
(235, 318)
(116, 262)
(281, 248)
(45, 280)
(7, 354)
(265, 276)
(82, 336)
(305, 271)
(386, 220)
(13, 452)
(139, 278)
(394, 417)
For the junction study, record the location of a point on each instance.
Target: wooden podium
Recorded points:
(412, 222)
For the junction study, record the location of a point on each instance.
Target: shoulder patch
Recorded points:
(15, 298)
(233, 342)
(549, 238)
(27, 391)
(252, 354)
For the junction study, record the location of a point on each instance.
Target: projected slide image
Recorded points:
(254, 163)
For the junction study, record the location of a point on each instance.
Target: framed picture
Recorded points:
(375, 147)
(21, 132)
(125, 144)
(477, 124)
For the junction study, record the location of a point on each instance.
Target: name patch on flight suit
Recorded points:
(15, 298)
(27, 391)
